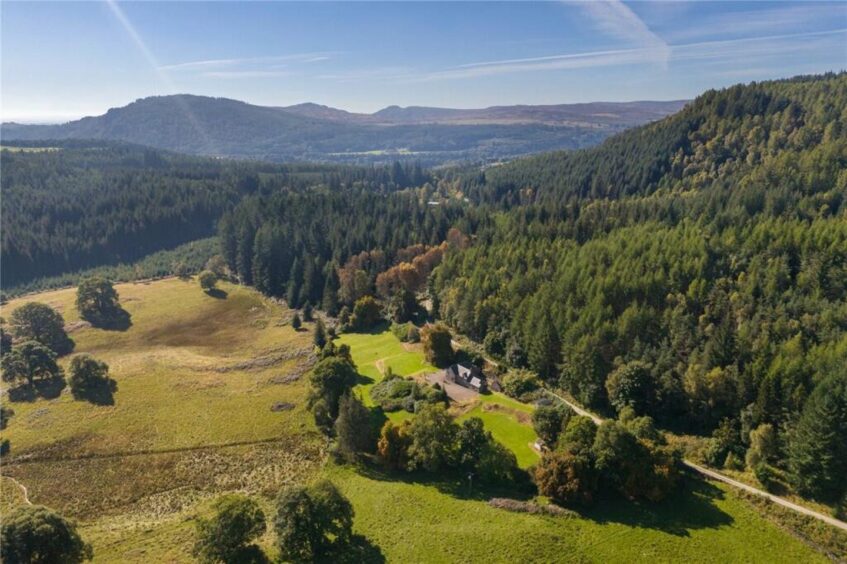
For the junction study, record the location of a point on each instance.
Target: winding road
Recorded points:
(725, 479)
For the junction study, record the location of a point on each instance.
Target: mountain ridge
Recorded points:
(219, 126)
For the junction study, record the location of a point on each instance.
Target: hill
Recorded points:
(197, 377)
(224, 127)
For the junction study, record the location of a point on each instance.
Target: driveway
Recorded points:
(455, 392)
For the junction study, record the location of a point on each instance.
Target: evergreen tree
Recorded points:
(353, 432)
(818, 450)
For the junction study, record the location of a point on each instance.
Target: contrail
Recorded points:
(163, 77)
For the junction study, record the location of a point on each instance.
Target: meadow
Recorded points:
(197, 377)
(192, 418)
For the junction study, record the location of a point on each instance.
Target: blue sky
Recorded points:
(66, 59)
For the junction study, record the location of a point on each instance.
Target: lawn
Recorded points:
(373, 353)
(509, 422)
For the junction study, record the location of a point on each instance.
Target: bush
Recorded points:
(394, 393)
(518, 383)
(207, 280)
(766, 476)
(406, 332)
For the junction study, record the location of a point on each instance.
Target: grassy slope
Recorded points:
(185, 387)
(421, 522)
(141, 508)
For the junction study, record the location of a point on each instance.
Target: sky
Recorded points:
(64, 60)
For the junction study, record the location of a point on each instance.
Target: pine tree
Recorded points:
(262, 260)
(320, 334)
(545, 349)
(818, 449)
(353, 430)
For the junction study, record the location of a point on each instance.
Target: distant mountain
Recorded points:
(224, 127)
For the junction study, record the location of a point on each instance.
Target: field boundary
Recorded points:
(144, 452)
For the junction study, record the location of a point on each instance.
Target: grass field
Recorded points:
(192, 418)
(197, 376)
(409, 521)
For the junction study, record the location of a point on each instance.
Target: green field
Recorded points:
(196, 376)
(192, 418)
(408, 521)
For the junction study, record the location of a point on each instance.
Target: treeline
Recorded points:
(85, 204)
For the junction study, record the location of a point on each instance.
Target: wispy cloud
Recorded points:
(295, 58)
(616, 19)
(731, 49)
(237, 74)
(761, 21)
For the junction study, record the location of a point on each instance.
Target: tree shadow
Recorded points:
(103, 394)
(358, 550)
(692, 506)
(250, 554)
(64, 345)
(377, 329)
(117, 320)
(217, 293)
(362, 380)
(47, 388)
(453, 483)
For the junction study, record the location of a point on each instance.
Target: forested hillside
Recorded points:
(69, 205)
(694, 270)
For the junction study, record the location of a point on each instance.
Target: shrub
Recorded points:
(517, 383)
(766, 476)
(207, 280)
(395, 392)
(406, 332)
